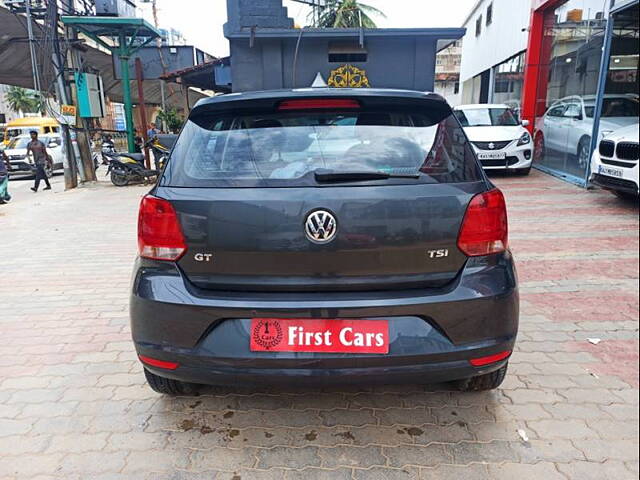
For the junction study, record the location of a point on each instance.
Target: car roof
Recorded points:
(478, 106)
(270, 98)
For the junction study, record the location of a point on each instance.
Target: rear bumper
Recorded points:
(433, 334)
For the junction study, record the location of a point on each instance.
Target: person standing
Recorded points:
(40, 159)
(152, 132)
(5, 166)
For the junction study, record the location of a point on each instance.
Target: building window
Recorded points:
(3, 118)
(346, 53)
(479, 26)
(347, 57)
(489, 14)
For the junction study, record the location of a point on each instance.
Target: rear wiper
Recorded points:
(322, 176)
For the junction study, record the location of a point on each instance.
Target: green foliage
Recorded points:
(348, 14)
(172, 119)
(23, 100)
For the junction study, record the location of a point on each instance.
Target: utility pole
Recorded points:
(62, 91)
(32, 49)
(143, 110)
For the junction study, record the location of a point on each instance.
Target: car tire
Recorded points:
(488, 381)
(524, 171)
(169, 386)
(539, 147)
(584, 150)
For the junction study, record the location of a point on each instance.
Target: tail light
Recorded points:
(319, 104)
(159, 233)
(154, 362)
(482, 361)
(485, 229)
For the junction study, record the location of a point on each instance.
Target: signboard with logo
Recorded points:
(68, 114)
(348, 76)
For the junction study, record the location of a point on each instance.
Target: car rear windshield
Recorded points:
(288, 148)
(616, 107)
(487, 117)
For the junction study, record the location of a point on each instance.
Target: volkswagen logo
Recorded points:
(492, 146)
(320, 226)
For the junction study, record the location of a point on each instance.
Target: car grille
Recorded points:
(17, 157)
(615, 183)
(607, 148)
(496, 145)
(499, 163)
(628, 151)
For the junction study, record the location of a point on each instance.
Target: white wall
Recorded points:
(506, 36)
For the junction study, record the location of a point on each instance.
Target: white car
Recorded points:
(567, 125)
(16, 152)
(500, 141)
(614, 165)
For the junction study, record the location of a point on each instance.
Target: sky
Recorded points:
(201, 22)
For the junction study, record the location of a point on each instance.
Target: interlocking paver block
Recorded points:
(74, 406)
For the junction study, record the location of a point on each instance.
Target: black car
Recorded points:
(323, 236)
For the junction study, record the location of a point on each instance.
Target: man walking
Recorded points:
(4, 178)
(40, 159)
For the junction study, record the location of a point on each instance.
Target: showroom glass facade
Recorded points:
(569, 85)
(508, 82)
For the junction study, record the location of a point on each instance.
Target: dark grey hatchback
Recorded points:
(323, 236)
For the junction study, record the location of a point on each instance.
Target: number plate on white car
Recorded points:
(611, 172)
(492, 155)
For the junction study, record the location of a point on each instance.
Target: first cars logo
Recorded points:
(267, 333)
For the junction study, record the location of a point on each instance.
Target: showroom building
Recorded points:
(570, 68)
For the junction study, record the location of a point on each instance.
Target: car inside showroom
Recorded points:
(581, 80)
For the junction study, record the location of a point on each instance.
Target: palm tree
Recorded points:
(21, 100)
(348, 14)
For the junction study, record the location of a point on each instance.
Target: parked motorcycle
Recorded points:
(127, 168)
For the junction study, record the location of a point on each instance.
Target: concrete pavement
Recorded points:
(74, 405)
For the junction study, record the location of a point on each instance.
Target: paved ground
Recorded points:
(73, 404)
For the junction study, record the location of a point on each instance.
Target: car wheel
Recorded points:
(524, 171)
(169, 386)
(487, 381)
(584, 151)
(539, 148)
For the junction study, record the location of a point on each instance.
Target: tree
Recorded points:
(21, 100)
(348, 14)
(171, 119)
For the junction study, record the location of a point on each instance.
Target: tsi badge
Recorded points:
(442, 253)
(203, 257)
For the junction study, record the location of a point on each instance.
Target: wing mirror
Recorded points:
(53, 144)
(525, 123)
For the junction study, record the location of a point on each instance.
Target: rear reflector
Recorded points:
(485, 229)
(319, 104)
(479, 362)
(159, 233)
(154, 362)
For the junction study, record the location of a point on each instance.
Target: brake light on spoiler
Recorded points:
(319, 104)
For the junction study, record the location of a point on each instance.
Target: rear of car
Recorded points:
(500, 141)
(323, 236)
(614, 165)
